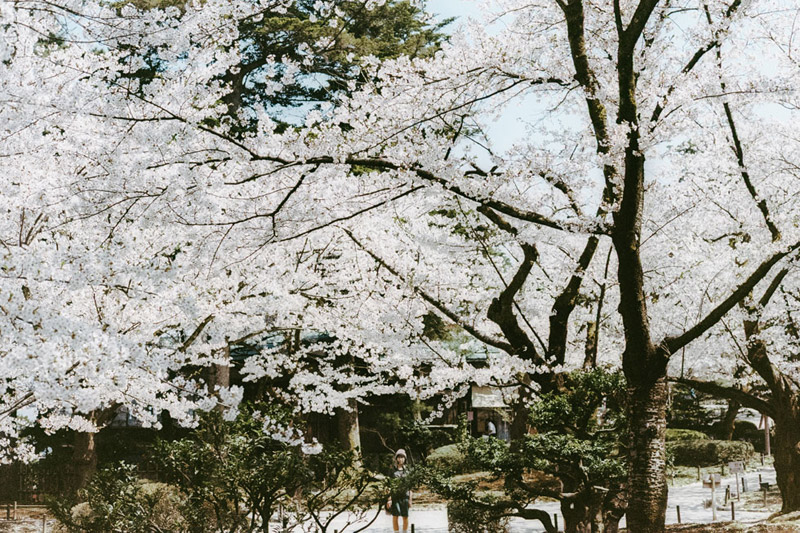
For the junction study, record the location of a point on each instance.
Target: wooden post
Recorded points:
(44, 523)
(698, 473)
(412, 528)
(678, 508)
(555, 520)
(713, 500)
(733, 512)
(727, 494)
(15, 511)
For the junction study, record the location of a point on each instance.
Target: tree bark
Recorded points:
(84, 450)
(647, 483)
(84, 460)
(786, 449)
(593, 511)
(348, 430)
(729, 421)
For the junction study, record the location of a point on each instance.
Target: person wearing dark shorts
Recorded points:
(401, 496)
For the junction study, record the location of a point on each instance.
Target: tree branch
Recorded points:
(501, 310)
(434, 302)
(673, 344)
(731, 393)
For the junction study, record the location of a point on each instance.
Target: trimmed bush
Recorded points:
(674, 434)
(705, 452)
(447, 458)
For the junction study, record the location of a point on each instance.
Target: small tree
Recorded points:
(577, 457)
(234, 475)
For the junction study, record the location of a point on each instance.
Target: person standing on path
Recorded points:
(401, 493)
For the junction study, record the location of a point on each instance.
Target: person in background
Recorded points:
(491, 429)
(401, 494)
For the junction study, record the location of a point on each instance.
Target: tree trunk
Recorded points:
(84, 460)
(84, 450)
(786, 448)
(647, 482)
(582, 515)
(348, 429)
(729, 421)
(614, 509)
(593, 512)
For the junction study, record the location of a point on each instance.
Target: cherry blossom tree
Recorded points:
(395, 202)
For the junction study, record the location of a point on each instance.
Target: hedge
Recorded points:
(705, 452)
(674, 434)
(447, 458)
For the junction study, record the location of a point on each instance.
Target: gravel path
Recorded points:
(692, 499)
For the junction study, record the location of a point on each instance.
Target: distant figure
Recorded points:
(401, 495)
(491, 429)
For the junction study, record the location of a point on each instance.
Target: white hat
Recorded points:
(399, 452)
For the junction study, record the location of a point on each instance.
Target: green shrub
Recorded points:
(675, 434)
(464, 517)
(118, 501)
(704, 452)
(448, 458)
(747, 431)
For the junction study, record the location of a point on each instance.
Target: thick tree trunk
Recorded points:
(647, 483)
(786, 448)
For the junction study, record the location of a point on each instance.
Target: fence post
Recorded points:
(733, 512)
(678, 508)
(555, 520)
(44, 523)
(412, 528)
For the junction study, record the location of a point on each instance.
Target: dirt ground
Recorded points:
(789, 523)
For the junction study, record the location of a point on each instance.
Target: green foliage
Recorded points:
(686, 410)
(225, 476)
(116, 500)
(467, 518)
(395, 28)
(675, 434)
(448, 458)
(232, 473)
(707, 452)
(578, 449)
